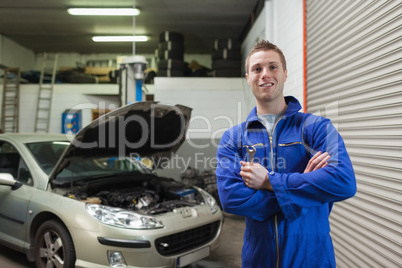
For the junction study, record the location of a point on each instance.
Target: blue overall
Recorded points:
(288, 227)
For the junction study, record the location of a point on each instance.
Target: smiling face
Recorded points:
(266, 77)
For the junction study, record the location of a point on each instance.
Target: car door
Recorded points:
(14, 203)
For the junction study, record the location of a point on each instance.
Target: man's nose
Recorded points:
(266, 73)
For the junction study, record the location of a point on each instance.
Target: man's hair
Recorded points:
(263, 45)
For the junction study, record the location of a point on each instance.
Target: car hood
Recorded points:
(143, 129)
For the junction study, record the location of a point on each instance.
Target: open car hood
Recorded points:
(145, 129)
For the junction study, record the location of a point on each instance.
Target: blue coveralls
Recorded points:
(290, 227)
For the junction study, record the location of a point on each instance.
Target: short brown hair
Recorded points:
(263, 45)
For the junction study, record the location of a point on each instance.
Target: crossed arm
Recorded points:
(256, 176)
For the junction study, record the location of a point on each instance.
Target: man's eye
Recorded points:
(273, 67)
(257, 69)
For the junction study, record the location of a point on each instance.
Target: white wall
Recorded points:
(14, 55)
(281, 22)
(65, 97)
(217, 103)
(285, 29)
(256, 33)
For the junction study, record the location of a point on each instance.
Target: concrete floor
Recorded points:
(228, 255)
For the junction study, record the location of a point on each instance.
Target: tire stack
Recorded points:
(226, 58)
(170, 54)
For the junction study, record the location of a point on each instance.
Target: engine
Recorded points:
(150, 196)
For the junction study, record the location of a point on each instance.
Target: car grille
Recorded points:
(187, 240)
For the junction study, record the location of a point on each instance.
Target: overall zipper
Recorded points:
(273, 169)
(277, 241)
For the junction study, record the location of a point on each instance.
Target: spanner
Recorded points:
(251, 151)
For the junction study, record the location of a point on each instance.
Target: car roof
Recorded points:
(33, 137)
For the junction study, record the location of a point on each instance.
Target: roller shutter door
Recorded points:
(354, 77)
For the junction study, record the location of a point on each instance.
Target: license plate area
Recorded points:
(192, 257)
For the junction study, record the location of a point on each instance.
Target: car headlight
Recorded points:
(209, 200)
(122, 218)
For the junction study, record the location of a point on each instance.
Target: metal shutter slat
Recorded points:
(354, 77)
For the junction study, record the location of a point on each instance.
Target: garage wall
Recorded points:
(284, 28)
(256, 33)
(217, 103)
(65, 97)
(354, 77)
(281, 22)
(14, 55)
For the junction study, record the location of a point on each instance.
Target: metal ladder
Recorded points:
(46, 85)
(11, 98)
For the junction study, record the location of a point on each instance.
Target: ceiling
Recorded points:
(45, 25)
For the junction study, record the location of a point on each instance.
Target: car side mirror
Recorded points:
(8, 179)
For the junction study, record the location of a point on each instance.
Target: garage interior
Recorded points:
(344, 63)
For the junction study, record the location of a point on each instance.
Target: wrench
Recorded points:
(251, 151)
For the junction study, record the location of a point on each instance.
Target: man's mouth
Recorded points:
(267, 85)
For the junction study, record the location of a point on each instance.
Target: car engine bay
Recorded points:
(145, 194)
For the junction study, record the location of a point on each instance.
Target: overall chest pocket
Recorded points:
(292, 156)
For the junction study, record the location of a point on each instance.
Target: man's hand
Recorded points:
(319, 160)
(255, 176)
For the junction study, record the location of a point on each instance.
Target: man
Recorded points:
(299, 168)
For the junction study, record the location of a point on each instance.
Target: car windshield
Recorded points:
(48, 153)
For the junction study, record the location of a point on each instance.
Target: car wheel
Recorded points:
(53, 246)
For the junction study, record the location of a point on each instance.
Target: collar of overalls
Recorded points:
(293, 107)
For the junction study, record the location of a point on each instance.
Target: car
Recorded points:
(93, 199)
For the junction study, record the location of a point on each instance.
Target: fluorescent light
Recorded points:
(104, 11)
(128, 38)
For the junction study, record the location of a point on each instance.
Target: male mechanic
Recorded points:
(282, 170)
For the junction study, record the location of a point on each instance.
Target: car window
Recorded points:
(94, 166)
(89, 168)
(47, 153)
(11, 162)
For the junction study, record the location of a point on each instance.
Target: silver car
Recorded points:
(93, 200)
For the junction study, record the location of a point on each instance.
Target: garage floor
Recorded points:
(228, 255)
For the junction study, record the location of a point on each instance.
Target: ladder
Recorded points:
(46, 85)
(10, 102)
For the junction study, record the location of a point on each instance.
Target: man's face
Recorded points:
(266, 76)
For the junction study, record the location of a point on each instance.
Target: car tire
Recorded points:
(53, 246)
(171, 64)
(171, 36)
(227, 43)
(226, 54)
(227, 73)
(170, 54)
(170, 73)
(170, 45)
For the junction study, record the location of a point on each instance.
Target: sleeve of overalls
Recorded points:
(297, 192)
(235, 196)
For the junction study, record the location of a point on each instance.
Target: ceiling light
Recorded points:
(104, 11)
(128, 38)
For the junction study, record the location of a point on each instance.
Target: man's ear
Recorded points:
(248, 82)
(286, 75)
